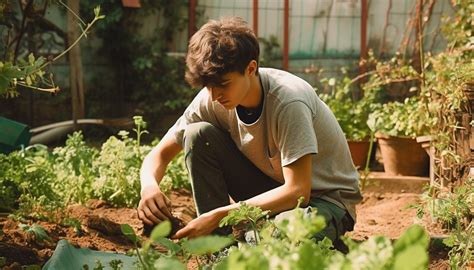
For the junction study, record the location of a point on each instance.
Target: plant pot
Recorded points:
(131, 3)
(359, 151)
(402, 156)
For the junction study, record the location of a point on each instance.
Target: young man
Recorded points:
(255, 134)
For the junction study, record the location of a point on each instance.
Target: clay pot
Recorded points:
(359, 151)
(402, 156)
(131, 3)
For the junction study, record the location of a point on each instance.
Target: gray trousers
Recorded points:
(218, 169)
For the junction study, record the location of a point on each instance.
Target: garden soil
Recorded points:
(378, 214)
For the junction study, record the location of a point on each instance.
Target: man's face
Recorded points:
(232, 91)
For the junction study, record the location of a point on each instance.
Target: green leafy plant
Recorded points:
(461, 243)
(445, 76)
(30, 73)
(73, 163)
(149, 258)
(455, 211)
(118, 167)
(245, 213)
(400, 119)
(37, 231)
(351, 113)
(288, 244)
(35, 180)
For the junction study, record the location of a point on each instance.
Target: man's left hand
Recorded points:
(202, 225)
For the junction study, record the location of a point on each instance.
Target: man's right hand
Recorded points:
(154, 206)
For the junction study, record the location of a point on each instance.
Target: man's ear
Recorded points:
(252, 68)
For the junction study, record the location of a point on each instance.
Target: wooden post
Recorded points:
(192, 18)
(286, 45)
(363, 39)
(418, 49)
(255, 17)
(75, 64)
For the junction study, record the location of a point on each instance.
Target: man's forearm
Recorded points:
(155, 163)
(152, 171)
(276, 200)
(285, 197)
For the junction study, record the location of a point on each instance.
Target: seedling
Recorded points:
(37, 231)
(245, 213)
(149, 258)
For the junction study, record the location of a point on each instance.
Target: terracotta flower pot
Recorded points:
(359, 151)
(131, 3)
(402, 156)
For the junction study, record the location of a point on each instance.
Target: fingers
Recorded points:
(157, 211)
(152, 215)
(181, 233)
(164, 204)
(167, 201)
(154, 209)
(143, 217)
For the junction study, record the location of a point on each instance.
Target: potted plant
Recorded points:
(397, 124)
(352, 115)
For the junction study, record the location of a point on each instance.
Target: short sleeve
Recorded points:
(196, 112)
(295, 136)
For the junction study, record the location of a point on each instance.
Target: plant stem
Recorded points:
(72, 12)
(50, 90)
(367, 162)
(140, 257)
(254, 228)
(72, 45)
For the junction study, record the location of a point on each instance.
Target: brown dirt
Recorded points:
(378, 214)
(100, 226)
(385, 213)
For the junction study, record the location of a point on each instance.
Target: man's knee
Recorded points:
(197, 131)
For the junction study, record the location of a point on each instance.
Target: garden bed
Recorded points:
(380, 213)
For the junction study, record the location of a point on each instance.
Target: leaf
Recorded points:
(414, 235)
(31, 59)
(165, 263)
(129, 232)
(161, 230)
(3, 261)
(413, 257)
(450, 241)
(39, 232)
(170, 245)
(207, 244)
(28, 81)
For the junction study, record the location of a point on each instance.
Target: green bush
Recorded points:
(399, 119)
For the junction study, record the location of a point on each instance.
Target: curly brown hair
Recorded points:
(219, 47)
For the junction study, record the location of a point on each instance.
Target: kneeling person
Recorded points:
(258, 135)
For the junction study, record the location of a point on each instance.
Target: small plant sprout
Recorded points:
(140, 127)
(245, 213)
(37, 231)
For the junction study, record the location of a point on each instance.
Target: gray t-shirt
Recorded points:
(294, 122)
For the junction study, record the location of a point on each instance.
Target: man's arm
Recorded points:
(297, 184)
(154, 205)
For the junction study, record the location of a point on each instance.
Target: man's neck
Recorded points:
(254, 97)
